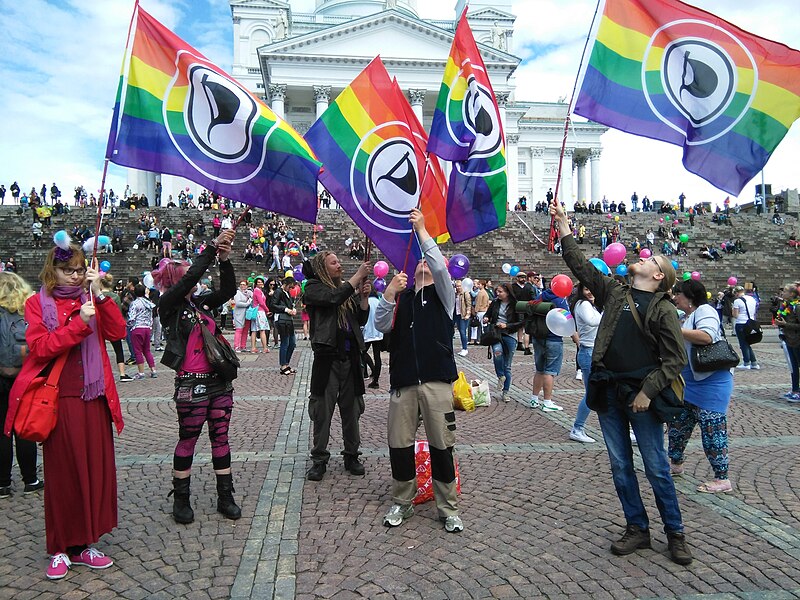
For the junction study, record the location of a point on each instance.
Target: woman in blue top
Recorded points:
(707, 395)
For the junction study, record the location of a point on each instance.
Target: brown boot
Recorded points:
(678, 549)
(632, 540)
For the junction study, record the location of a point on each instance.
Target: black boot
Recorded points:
(225, 504)
(181, 510)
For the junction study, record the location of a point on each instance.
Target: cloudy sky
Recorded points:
(60, 62)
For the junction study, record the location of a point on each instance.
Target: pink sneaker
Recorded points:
(92, 558)
(59, 566)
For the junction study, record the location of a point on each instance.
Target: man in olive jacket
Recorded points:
(634, 367)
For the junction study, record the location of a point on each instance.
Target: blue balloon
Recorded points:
(105, 266)
(621, 270)
(600, 265)
(514, 271)
(675, 264)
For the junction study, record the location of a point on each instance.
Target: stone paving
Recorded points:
(539, 510)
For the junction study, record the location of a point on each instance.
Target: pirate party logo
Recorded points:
(698, 79)
(481, 118)
(386, 175)
(217, 122)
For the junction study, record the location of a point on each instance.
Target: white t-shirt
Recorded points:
(587, 319)
(739, 304)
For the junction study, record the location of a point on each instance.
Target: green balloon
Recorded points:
(303, 285)
(687, 275)
(684, 237)
(668, 218)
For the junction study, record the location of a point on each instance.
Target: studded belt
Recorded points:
(197, 376)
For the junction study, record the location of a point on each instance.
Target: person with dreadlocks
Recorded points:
(201, 394)
(337, 310)
(421, 371)
(69, 322)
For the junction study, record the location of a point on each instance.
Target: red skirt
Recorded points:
(80, 475)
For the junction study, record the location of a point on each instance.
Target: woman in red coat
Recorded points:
(80, 498)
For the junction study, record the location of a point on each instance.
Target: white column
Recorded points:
(566, 193)
(538, 187)
(322, 95)
(237, 21)
(512, 160)
(581, 164)
(502, 99)
(594, 160)
(416, 98)
(277, 93)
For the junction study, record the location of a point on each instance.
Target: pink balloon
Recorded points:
(614, 254)
(696, 275)
(661, 220)
(608, 216)
(645, 253)
(380, 269)
(732, 281)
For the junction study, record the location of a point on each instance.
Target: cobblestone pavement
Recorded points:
(539, 510)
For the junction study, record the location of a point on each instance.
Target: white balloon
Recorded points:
(147, 281)
(348, 241)
(560, 322)
(506, 268)
(467, 284)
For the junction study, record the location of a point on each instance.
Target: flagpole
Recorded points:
(419, 203)
(552, 237)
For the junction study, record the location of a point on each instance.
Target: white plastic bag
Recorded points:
(480, 393)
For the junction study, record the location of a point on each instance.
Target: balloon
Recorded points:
(696, 275)
(261, 240)
(303, 285)
(467, 284)
(684, 237)
(668, 218)
(561, 285)
(147, 281)
(320, 228)
(560, 322)
(379, 284)
(506, 268)
(458, 266)
(105, 266)
(675, 264)
(708, 295)
(608, 216)
(294, 292)
(288, 274)
(687, 275)
(621, 270)
(61, 239)
(348, 241)
(616, 218)
(187, 189)
(514, 271)
(732, 281)
(661, 220)
(298, 273)
(600, 266)
(645, 253)
(614, 254)
(381, 269)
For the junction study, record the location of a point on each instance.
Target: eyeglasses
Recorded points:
(653, 258)
(70, 272)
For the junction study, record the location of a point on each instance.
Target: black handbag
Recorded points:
(491, 335)
(717, 356)
(219, 353)
(751, 328)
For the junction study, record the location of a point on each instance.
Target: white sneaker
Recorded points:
(397, 514)
(743, 366)
(579, 435)
(579, 375)
(463, 353)
(550, 406)
(755, 366)
(453, 524)
(535, 402)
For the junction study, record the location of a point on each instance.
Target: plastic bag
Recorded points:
(462, 394)
(480, 393)
(422, 457)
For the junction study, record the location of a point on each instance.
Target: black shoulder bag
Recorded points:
(751, 328)
(716, 356)
(219, 353)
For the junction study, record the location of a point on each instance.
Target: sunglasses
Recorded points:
(653, 258)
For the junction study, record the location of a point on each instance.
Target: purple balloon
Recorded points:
(459, 266)
(379, 284)
(298, 273)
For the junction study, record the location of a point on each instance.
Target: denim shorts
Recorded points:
(548, 355)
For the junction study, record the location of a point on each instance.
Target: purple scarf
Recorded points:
(93, 376)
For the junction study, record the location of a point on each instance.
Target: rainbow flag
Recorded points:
(467, 128)
(178, 113)
(374, 156)
(672, 72)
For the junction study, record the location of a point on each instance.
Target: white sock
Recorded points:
(534, 398)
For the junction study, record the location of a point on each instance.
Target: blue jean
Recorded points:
(463, 328)
(287, 345)
(794, 362)
(748, 356)
(503, 355)
(585, 365)
(650, 437)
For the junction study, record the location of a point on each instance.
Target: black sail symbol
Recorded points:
(406, 182)
(704, 80)
(483, 120)
(222, 101)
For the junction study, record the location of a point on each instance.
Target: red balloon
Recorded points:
(561, 286)
(294, 292)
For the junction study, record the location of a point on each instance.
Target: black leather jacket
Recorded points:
(176, 314)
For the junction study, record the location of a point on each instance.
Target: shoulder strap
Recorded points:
(744, 300)
(635, 312)
(58, 366)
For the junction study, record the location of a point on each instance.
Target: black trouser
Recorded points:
(26, 450)
(373, 367)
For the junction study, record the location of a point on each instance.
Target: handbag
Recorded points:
(38, 407)
(714, 357)
(491, 335)
(219, 353)
(751, 328)
(251, 313)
